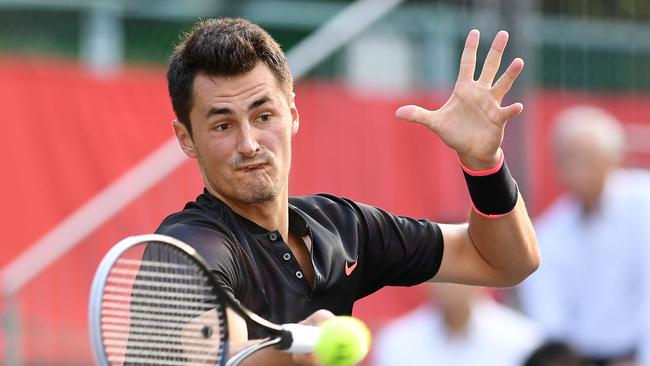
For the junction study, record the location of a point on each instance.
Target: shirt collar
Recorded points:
(297, 221)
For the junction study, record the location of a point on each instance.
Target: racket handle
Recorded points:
(304, 337)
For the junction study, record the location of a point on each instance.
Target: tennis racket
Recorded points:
(155, 302)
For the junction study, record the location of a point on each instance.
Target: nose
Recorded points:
(247, 143)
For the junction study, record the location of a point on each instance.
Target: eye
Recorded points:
(222, 126)
(264, 117)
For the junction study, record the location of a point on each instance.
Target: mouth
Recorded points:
(252, 167)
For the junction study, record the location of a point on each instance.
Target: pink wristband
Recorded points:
(483, 173)
(493, 192)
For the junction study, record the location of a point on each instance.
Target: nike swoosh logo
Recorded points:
(350, 268)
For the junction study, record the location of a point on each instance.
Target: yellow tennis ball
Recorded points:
(344, 342)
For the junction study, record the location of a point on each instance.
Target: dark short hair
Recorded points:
(553, 353)
(222, 47)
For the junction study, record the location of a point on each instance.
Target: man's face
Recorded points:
(583, 167)
(241, 135)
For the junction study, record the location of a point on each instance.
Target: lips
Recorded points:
(250, 167)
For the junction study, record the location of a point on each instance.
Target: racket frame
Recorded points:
(279, 337)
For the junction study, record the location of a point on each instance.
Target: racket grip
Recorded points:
(304, 337)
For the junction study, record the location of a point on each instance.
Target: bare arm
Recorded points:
(490, 252)
(487, 251)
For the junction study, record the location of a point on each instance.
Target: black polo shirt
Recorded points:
(356, 250)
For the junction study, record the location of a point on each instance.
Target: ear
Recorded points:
(184, 139)
(295, 119)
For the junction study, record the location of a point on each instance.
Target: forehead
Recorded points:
(579, 142)
(210, 89)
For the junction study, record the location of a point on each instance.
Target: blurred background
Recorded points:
(90, 157)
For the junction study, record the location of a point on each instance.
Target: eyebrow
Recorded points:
(227, 111)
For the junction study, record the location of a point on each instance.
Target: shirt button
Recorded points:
(273, 236)
(299, 274)
(286, 256)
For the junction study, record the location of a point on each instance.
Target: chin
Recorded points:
(260, 197)
(260, 194)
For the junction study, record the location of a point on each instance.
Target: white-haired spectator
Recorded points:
(592, 289)
(462, 326)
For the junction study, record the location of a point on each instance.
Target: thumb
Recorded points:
(511, 111)
(413, 113)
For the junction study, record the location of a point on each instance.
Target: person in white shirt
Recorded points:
(592, 289)
(461, 326)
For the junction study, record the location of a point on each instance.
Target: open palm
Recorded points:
(472, 121)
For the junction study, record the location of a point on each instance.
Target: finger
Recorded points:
(493, 59)
(413, 113)
(468, 58)
(503, 85)
(511, 111)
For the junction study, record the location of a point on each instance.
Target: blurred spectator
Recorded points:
(593, 285)
(553, 353)
(466, 328)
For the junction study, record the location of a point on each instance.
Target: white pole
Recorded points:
(338, 31)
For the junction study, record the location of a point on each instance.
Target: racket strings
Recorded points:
(161, 309)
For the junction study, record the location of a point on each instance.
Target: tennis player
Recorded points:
(291, 259)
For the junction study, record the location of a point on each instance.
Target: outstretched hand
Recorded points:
(472, 121)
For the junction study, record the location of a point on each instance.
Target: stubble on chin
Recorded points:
(259, 192)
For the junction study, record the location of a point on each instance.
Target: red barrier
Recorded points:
(69, 135)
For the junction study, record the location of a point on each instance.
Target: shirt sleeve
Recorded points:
(398, 251)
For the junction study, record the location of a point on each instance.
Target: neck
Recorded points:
(588, 208)
(456, 321)
(591, 203)
(271, 215)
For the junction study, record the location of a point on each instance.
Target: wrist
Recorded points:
(475, 166)
(493, 191)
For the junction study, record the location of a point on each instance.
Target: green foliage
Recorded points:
(40, 32)
(577, 68)
(31, 31)
(635, 10)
